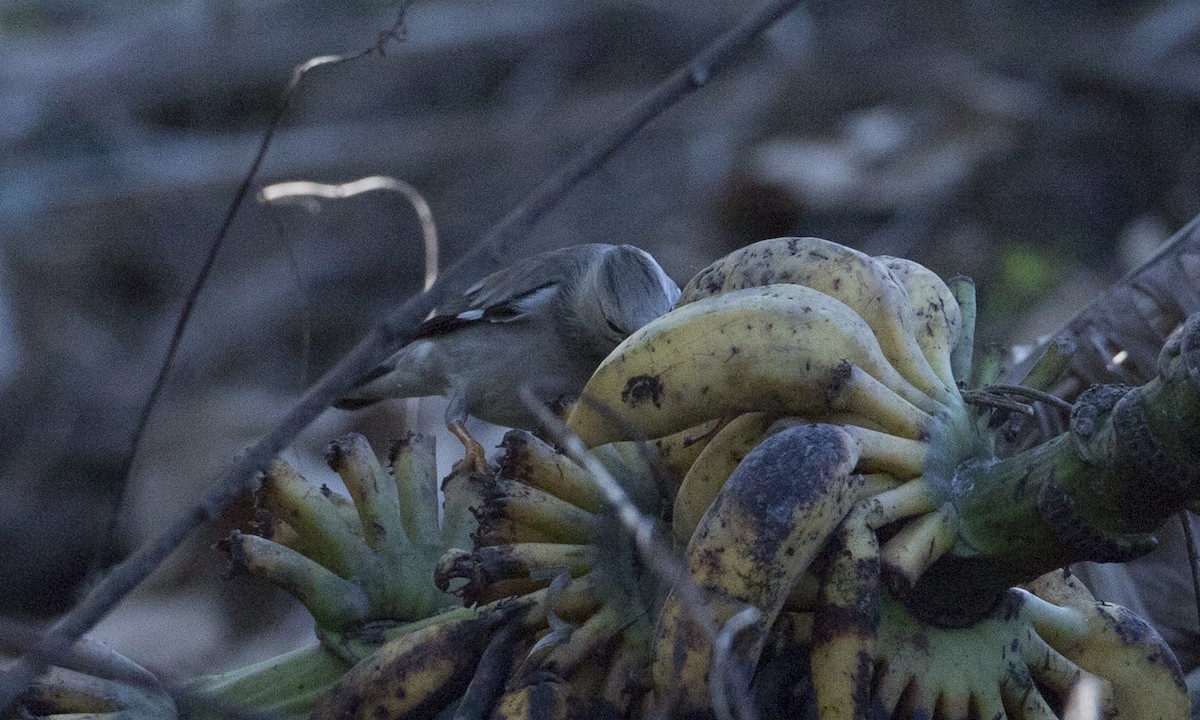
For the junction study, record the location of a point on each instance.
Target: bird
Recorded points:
(541, 325)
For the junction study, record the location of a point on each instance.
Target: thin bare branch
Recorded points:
(388, 334)
(105, 548)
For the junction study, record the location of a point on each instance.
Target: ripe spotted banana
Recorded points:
(845, 622)
(550, 699)
(858, 280)
(878, 452)
(415, 675)
(786, 349)
(769, 521)
(1111, 642)
(712, 467)
(938, 317)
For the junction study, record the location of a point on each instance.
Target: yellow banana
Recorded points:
(938, 317)
(463, 493)
(712, 467)
(70, 695)
(321, 531)
(413, 460)
(1119, 647)
(375, 495)
(677, 452)
(917, 545)
(845, 623)
(335, 603)
(785, 349)
(769, 521)
(543, 514)
(854, 278)
(499, 530)
(880, 452)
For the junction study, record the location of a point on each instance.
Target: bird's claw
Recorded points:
(475, 459)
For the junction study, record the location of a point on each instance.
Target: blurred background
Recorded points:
(1043, 148)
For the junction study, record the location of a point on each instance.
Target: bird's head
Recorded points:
(620, 292)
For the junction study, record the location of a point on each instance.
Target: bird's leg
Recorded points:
(456, 421)
(475, 454)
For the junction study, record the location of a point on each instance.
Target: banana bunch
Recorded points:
(459, 661)
(1022, 660)
(554, 621)
(353, 561)
(833, 378)
(543, 528)
(794, 426)
(799, 327)
(766, 341)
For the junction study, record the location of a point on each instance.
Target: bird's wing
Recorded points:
(508, 310)
(512, 293)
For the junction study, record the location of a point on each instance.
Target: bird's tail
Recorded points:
(366, 392)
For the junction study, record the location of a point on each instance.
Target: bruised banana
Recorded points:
(786, 349)
(1112, 642)
(549, 699)
(422, 671)
(414, 675)
(858, 280)
(770, 519)
(878, 452)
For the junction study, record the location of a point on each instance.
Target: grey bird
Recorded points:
(544, 323)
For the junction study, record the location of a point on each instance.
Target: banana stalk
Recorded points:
(1097, 493)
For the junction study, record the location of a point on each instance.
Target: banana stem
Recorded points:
(283, 687)
(1130, 461)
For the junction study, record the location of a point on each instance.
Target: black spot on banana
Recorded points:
(894, 309)
(771, 518)
(802, 353)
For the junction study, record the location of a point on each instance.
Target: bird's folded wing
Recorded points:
(511, 293)
(514, 308)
